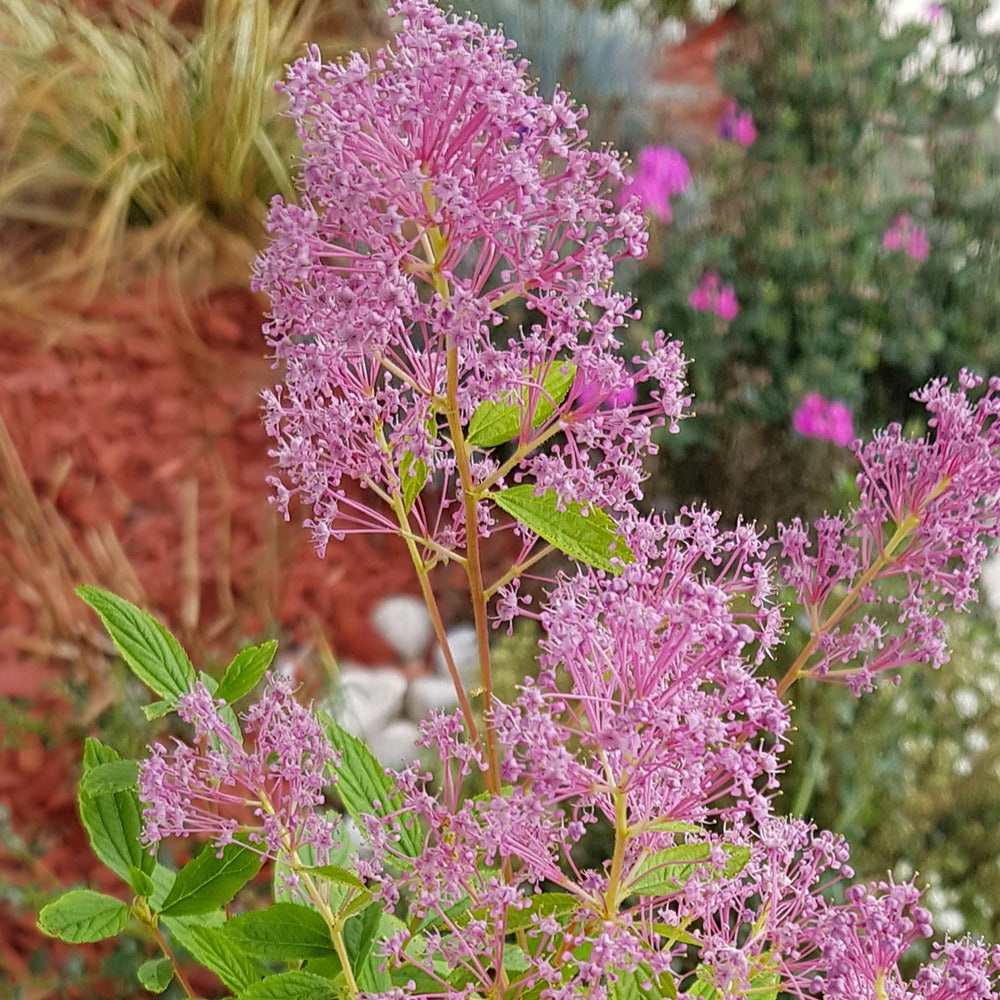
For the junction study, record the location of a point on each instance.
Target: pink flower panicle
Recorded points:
(661, 173)
(906, 236)
(263, 784)
(737, 125)
(712, 296)
(829, 420)
(437, 187)
(927, 509)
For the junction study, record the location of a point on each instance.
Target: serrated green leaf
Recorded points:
(155, 975)
(295, 985)
(113, 821)
(495, 423)
(643, 984)
(284, 931)
(212, 948)
(82, 915)
(243, 674)
(546, 904)
(666, 871)
(113, 776)
(365, 788)
(737, 858)
(587, 534)
(141, 883)
(163, 879)
(152, 653)
(208, 882)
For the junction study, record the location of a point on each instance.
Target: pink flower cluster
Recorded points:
(712, 296)
(437, 188)
(829, 420)
(906, 236)
(661, 173)
(737, 124)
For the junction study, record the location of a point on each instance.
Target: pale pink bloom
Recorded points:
(661, 173)
(737, 125)
(830, 420)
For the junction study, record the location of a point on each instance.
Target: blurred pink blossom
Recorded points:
(712, 296)
(906, 236)
(830, 420)
(737, 124)
(661, 172)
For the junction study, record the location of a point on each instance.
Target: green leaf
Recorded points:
(633, 985)
(82, 915)
(154, 655)
(666, 871)
(495, 423)
(364, 787)
(210, 947)
(247, 668)
(157, 709)
(113, 821)
(738, 857)
(413, 477)
(295, 985)
(113, 776)
(155, 975)
(284, 931)
(585, 533)
(546, 904)
(141, 883)
(207, 882)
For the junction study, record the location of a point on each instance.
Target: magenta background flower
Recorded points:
(906, 236)
(830, 420)
(712, 296)
(737, 125)
(661, 173)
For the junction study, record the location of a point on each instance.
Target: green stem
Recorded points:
(903, 530)
(168, 952)
(516, 570)
(622, 832)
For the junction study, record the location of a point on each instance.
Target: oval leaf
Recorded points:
(284, 931)
(247, 668)
(495, 423)
(293, 985)
(112, 776)
(153, 654)
(113, 820)
(82, 915)
(586, 534)
(211, 947)
(208, 881)
(155, 975)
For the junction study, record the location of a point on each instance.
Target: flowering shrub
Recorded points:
(437, 189)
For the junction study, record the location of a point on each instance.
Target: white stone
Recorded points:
(465, 650)
(366, 699)
(405, 623)
(990, 584)
(426, 693)
(393, 745)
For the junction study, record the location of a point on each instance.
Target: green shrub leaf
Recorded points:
(284, 931)
(113, 776)
(587, 534)
(293, 985)
(546, 904)
(208, 881)
(113, 820)
(155, 975)
(247, 668)
(364, 787)
(153, 654)
(82, 915)
(496, 423)
(210, 947)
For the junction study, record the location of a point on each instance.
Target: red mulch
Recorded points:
(136, 461)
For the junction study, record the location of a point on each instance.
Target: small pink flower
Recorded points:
(712, 296)
(934, 12)
(661, 172)
(830, 420)
(906, 236)
(737, 125)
